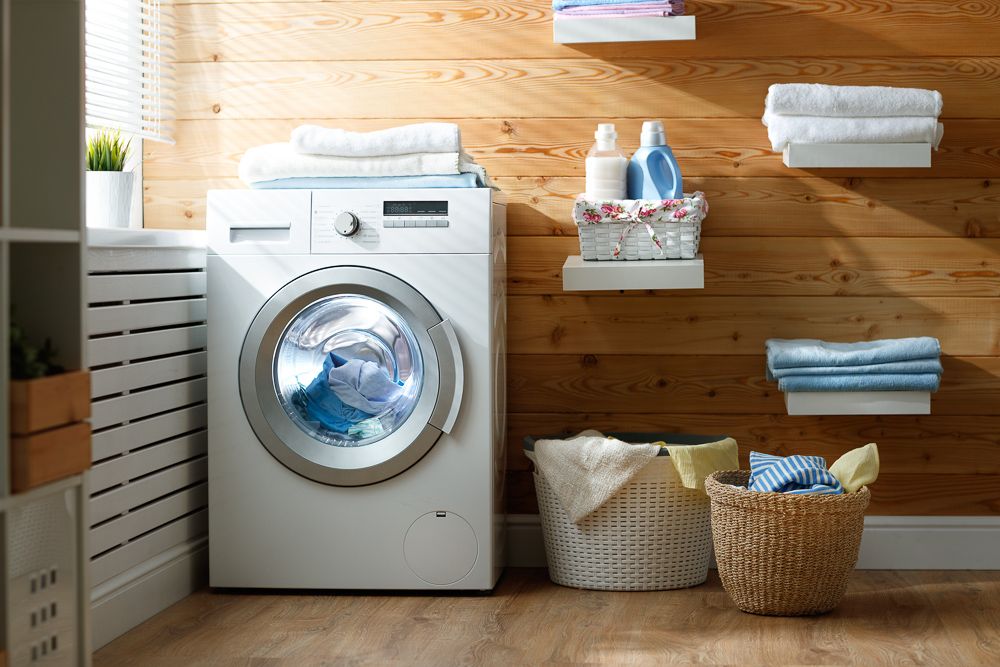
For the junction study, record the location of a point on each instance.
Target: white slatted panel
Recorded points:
(147, 337)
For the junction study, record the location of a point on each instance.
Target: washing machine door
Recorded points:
(348, 375)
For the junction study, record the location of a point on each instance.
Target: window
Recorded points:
(129, 76)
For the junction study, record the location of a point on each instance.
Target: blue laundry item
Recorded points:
(563, 4)
(783, 353)
(322, 405)
(866, 382)
(895, 367)
(363, 385)
(466, 180)
(792, 474)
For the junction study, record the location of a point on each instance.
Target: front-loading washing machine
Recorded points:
(356, 388)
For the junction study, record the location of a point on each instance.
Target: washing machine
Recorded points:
(356, 387)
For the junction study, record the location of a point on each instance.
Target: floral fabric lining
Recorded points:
(643, 212)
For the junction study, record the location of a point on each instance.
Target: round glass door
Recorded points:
(345, 375)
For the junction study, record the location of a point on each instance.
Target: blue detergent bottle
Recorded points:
(653, 172)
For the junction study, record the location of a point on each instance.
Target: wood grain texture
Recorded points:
(557, 147)
(799, 266)
(926, 444)
(702, 384)
(737, 325)
(550, 88)
(886, 618)
(346, 31)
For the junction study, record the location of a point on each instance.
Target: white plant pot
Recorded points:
(109, 198)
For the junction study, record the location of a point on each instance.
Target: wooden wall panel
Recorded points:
(841, 254)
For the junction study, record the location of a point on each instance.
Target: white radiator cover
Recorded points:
(148, 504)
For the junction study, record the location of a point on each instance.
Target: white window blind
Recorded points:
(129, 71)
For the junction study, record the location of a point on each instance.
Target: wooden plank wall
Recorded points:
(843, 254)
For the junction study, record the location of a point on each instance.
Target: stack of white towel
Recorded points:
(411, 156)
(812, 113)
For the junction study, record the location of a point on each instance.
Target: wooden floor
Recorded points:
(887, 618)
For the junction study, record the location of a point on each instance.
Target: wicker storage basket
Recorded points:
(630, 229)
(782, 554)
(652, 535)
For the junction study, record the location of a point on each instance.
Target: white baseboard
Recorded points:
(127, 600)
(889, 543)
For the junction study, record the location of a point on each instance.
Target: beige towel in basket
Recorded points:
(586, 470)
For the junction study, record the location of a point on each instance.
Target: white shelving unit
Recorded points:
(817, 156)
(858, 403)
(623, 29)
(42, 531)
(580, 275)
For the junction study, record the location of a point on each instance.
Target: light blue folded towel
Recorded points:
(563, 4)
(865, 382)
(792, 474)
(466, 180)
(782, 353)
(891, 368)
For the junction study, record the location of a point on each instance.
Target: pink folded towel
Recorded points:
(653, 8)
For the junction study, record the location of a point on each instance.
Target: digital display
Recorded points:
(415, 208)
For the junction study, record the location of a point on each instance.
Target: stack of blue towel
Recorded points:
(902, 364)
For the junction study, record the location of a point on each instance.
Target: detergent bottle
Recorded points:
(653, 172)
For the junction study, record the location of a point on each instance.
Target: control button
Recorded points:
(346, 224)
(389, 224)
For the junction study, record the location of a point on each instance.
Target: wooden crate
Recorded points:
(46, 456)
(44, 403)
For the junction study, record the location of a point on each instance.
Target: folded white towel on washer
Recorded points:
(586, 470)
(816, 99)
(783, 130)
(402, 140)
(278, 161)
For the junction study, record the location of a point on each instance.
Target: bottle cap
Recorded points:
(653, 134)
(606, 132)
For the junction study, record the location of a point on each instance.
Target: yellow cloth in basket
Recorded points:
(857, 468)
(696, 462)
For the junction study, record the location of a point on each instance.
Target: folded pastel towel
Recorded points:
(784, 130)
(612, 13)
(792, 474)
(663, 8)
(362, 384)
(694, 463)
(403, 140)
(798, 352)
(372, 183)
(816, 99)
(867, 382)
(280, 161)
(586, 470)
(857, 468)
(891, 368)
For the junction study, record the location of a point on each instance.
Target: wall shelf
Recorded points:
(622, 29)
(583, 276)
(807, 156)
(858, 403)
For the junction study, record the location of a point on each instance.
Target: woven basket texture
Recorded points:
(782, 554)
(680, 241)
(654, 534)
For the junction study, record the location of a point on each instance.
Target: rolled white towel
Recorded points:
(276, 161)
(784, 130)
(403, 140)
(816, 99)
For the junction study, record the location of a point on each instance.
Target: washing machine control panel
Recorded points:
(400, 221)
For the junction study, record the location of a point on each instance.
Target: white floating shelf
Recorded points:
(622, 29)
(858, 403)
(808, 156)
(593, 276)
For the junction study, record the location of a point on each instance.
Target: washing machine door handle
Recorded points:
(451, 382)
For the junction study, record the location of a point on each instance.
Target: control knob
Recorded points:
(346, 224)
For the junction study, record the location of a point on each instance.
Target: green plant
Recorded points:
(107, 151)
(27, 361)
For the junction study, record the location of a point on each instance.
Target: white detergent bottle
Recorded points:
(606, 166)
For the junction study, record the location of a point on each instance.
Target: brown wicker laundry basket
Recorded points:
(782, 554)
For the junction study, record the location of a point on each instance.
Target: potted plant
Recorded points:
(109, 186)
(48, 405)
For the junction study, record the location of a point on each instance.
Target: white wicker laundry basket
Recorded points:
(631, 229)
(653, 535)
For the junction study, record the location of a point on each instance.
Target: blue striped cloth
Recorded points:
(791, 474)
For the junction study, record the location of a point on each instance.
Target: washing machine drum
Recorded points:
(348, 375)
